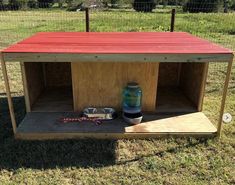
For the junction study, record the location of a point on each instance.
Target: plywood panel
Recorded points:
(56, 99)
(35, 80)
(173, 100)
(168, 74)
(101, 84)
(26, 90)
(192, 79)
(57, 74)
(47, 123)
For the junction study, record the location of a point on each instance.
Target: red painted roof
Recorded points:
(116, 43)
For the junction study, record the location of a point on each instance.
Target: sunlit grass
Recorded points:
(166, 161)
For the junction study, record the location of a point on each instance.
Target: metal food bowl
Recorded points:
(101, 113)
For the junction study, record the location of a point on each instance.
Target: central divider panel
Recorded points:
(101, 84)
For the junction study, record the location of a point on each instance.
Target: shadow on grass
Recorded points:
(16, 154)
(188, 143)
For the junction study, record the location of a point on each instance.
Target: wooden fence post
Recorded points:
(87, 20)
(172, 20)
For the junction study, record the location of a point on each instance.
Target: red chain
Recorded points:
(97, 120)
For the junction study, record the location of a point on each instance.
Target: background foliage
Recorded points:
(189, 5)
(155, 161)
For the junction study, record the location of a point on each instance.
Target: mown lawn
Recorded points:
(156, 161)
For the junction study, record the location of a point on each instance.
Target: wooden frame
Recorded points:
(25, 57)
(70, 57)
(62, 136)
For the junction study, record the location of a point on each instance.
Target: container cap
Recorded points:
(132, 84)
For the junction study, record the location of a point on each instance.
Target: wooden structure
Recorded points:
(63, 72)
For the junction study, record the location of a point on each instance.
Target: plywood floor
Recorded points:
(172, 100)
(57, 99)
(192, 123)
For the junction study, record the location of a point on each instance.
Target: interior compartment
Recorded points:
(180, 87)
(49, 86)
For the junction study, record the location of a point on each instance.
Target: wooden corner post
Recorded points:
(8, 92)
(229, 69)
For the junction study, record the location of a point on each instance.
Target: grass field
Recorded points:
(159, 161)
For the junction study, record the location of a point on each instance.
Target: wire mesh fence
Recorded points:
(212, 20)
(214, 90)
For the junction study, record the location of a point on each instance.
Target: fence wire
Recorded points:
(205, 19)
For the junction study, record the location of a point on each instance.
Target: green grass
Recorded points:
(157, 161)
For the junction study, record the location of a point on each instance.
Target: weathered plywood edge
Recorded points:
(71, 57)
(64, 136)
(203, 87)
(25, 87)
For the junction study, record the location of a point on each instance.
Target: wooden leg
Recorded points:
(8, 92)
(229, 68)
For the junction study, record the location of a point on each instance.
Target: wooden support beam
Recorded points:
(77, 57)
(229, 69)
(63, 136)
(8, 92)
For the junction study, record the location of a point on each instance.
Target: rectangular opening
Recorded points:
(178, 100)
(180, 87)
(49, 86)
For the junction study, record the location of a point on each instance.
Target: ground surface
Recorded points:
(165, 161)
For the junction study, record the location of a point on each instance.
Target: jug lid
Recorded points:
(132, 84)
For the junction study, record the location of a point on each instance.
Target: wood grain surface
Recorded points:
(101, 84)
